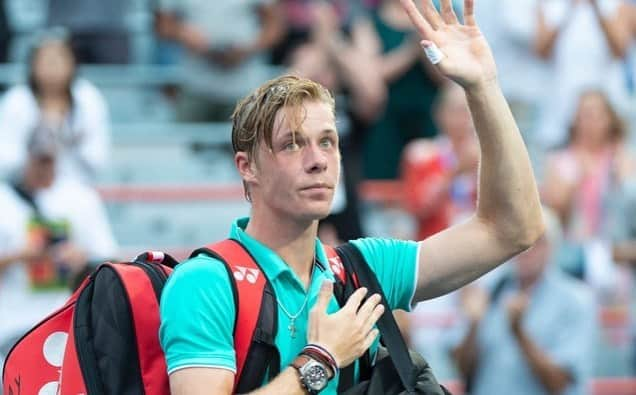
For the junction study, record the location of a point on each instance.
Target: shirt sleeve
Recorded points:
(394, 263)
(197, 316)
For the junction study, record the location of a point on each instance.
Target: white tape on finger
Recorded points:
(434, 54)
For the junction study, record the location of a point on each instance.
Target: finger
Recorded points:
(324, 296)
(431, 15)
(355, 299)
(368, 306)
(469, 13)
(447, 12)
(368, 341)
(422, 26)
(373, 318)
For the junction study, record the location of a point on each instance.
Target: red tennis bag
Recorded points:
(105, 339)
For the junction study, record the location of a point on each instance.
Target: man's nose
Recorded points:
(315, 159)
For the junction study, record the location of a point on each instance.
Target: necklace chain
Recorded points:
(292, 317)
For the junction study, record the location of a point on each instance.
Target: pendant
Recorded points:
(292, 329)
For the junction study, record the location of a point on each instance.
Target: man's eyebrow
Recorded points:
(301, 135)
(297, 134)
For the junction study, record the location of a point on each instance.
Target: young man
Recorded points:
(286, 145)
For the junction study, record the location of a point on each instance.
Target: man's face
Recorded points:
(297, 177)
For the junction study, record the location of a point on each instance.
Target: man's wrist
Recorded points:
(314, 374)
(482, 86)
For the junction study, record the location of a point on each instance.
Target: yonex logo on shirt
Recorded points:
(243, 273)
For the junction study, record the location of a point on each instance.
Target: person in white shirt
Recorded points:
(48, 233)
(585, 43)
(70, 107)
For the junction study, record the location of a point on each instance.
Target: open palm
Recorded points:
(468, 59)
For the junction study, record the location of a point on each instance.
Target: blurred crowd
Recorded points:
(567, 68)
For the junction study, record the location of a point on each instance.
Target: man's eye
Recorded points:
(292, 146)
(326, 143)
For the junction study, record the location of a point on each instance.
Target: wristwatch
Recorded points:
(314, 375)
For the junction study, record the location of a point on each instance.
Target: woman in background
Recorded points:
(54, 98)
(583, 183)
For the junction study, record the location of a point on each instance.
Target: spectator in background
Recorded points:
(56, 99)
(227, 43)
(412, 86)
(582, 183)
(440, 176)
(300, 18)
(48, 233)
(585, 42)
(99, 29)
(535, 332)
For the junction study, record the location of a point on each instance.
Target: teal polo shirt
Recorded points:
(197, 305)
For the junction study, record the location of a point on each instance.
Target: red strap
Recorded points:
(250, 283)
(145, 312)
(335, 263)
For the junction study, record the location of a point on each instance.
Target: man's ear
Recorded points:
(246, 168)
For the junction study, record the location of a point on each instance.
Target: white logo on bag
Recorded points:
(53, 352)
(336, 265)
(245, 273)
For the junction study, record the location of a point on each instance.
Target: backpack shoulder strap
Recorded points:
(346, 283)
(354, 261)
(335, 263)
(256, 319)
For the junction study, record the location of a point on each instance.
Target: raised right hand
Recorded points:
(348, 333)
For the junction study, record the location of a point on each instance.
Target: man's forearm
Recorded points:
(552, 377)
(508, 195)
(287, 382)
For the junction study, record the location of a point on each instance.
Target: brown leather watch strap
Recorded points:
(300, 361)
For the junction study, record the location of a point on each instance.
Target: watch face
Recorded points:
(316, 377)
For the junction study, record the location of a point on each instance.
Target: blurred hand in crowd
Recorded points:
(326, 21)
(231, 56)
(193, 39)
(72, 256)
(474, 302)
(516, 307)
(33, 252)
